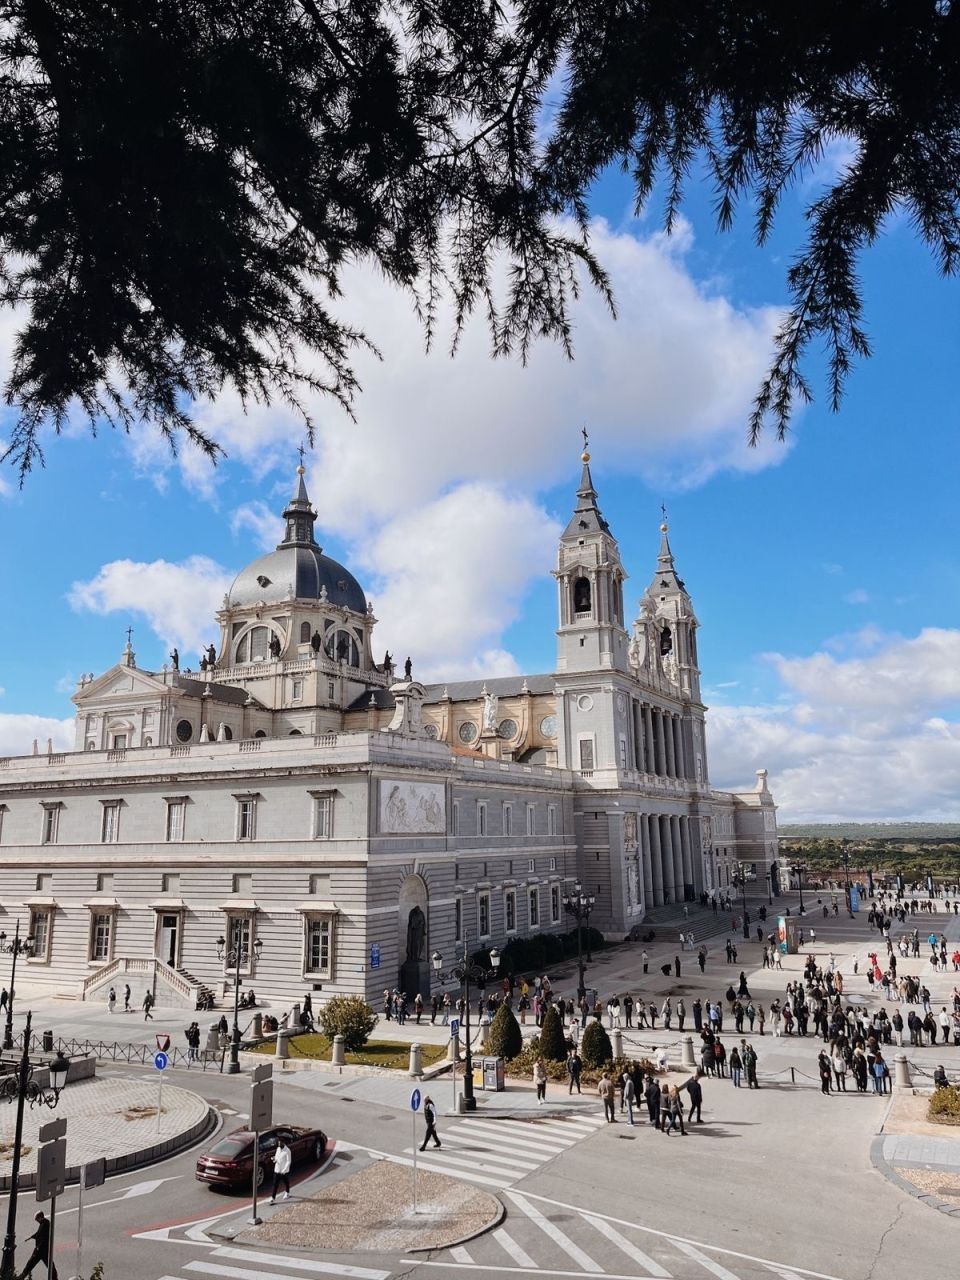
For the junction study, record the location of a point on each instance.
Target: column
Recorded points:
(649, 758)
(689, 861)
(646, 860)
(661, 751)
(679, 752)
(668, 734)
(666, 858)
(656, 861)
(638, 732)
(677, 850)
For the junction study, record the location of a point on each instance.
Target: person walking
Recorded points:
(749, 1057)
(574, 1070)
(540, 1080)
(736, 1067)
(607, 1094)
(193, 1042)
(430, 1118)
(148, 1003)
(282, 1160)
(651, 1095)
(629, 1095)
(41, 1247)
(695, 1089)
(823, 1063)
(112, 1000)
(672, 1116)
(127, 994)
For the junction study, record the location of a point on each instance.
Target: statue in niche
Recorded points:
(490, 701)
(416, 934)
(274, 647)
(630, 830)
(316, 642)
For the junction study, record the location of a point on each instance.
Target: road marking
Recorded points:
(461, 1254)
(708, 1264)
(550, 1229)
(303, 1264)
(464, 1174)
(518, 1271)
(518, 1137)
(468, 1160)
(503, 1142)
(138, 1189)
(642, 1259)
(507, 1242)
(456, 1144)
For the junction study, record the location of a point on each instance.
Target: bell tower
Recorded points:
(590, 577)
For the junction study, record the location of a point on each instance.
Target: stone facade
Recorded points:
(296, 792)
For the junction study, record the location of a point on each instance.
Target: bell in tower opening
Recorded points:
(666, 642)
(581, 595)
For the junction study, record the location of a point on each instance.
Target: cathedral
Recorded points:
(338, 821)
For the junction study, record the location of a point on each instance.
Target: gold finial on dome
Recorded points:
(301, 470)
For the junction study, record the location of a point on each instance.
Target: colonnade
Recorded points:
(659, 742)
(667, 858)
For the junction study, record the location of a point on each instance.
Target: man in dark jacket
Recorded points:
(430, 1117)
(574, 1069)
(41, 1247)
(695, 1090)
(651, 1096)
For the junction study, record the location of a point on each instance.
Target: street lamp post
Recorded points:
(769, 880)
(235, 958)
(797, 870)
(21, 1087)
(466, 971)
(741, 880)
(17, 946)
(845, 853)
(579, 905)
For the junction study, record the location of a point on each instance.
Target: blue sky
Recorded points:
(825, 572)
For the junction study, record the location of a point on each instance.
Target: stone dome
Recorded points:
(296, 572)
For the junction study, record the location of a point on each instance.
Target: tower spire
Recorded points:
(299, 515)
(586, 517)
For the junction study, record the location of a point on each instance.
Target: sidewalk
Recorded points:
(919, 1157)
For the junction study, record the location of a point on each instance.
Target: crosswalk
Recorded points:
(498, 1153)
(543, 1239)
(222, 1264)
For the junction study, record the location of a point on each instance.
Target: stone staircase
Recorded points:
(141, 972)
(201, 988)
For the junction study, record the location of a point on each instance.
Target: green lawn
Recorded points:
(375, 1053)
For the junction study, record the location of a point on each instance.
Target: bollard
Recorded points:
(338, 1057)
(283, 1035)
(453, 1050)
(295, 1016)
(901, 1069)
(484, 1033)
(616, 1041)
(416, 1065)
(686, 1052)
(258, 1026)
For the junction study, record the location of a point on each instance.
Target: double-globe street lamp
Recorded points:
(466, 971)
(579, 905)
(20, 1087)
(235, 959)
(17, 946)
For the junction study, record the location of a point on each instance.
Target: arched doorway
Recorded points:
(413, 937)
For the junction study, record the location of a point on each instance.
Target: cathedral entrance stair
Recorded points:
(167, 984)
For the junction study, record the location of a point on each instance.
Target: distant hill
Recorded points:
(870, 830)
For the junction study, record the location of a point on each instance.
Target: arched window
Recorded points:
(295, 733)
(254, 646)
(342, 647)
(304, 632)
(260, 734)
(227, 733)
(581, 596)
(666, 641)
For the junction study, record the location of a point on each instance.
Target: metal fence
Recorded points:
(113, 1051)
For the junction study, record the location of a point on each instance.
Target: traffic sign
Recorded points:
(263, 1072)
(160, 1061)
(53, 1129)
(261, 1106)
(51, 1169)
(94, 1174)
(163, 1042)
(454, 1026)
(415, 1100)
(374, 955)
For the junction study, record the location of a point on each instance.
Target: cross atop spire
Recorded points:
(301, 452)
(586, 439)
(663, 512)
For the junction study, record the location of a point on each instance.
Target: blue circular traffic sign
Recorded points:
(160, 1061)
(415, 1100)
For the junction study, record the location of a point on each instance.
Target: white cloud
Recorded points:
(178, 600)
(18, 732)
(452, 576)
(862, 737)
(857, 596)
(263, 523)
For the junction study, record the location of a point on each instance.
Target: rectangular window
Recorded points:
(531, 864)
(246, 818)
(458, 920)
(319, 945)
(330, 689)
(101, 927)
(553, 864)
(297, 690)
(119, 741)
(40, 928)
(586, 753)
(455, 818)
(170, 882)
(323, 818)
(531, 819)
(483, 915)
(238, 935)
(534, 900)
(110, 823)
(3, 810)
(320, 886)
(510, 910)
(105, 882)
(44, 881)
(51, 823)
(554, 904)
(242, 883)
(176, 820)
(552, 819)
(623, 752)
(508, 819)
(481, 817)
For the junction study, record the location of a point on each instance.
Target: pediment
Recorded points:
(120, 682)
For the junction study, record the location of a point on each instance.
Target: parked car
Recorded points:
(229, 1162)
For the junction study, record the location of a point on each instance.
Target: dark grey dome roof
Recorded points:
(299, 572)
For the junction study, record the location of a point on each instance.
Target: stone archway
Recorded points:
(413, 936)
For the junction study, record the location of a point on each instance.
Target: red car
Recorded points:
(229, 1162)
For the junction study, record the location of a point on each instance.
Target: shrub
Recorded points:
(945, 1105)
(595, 1047)
(505, 1039)
(552, 1045)
(350, 1017)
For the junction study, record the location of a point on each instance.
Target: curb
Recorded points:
(472, 1235)
(133, 1159)
(888, 1171)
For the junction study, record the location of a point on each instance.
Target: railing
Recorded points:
(113, 1051)
(137, 964)
(5, 763)
(56, 757)
(117, 753)
(180, 751)
(250, 744)
(325, 740)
